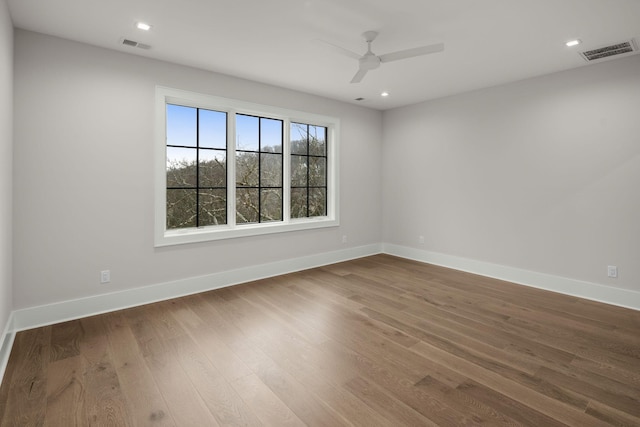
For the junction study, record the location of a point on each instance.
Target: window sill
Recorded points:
(221, 232)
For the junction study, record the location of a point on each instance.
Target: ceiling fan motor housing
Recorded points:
(369, 62)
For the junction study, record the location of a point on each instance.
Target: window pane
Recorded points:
(317, 141)
(298, 171)
(271, 205)
(213, 168)
(247, 169)
(181, 167)
(271, 135)
(247, 205)
(181, 125)
(247, 133)
(271, 170)
(298, 135)
(317, 202)
(213, 207)
(181, 208)
(317, 171)
(298, 203)
(213, 129)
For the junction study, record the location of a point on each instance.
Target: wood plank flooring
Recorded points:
(378, 341)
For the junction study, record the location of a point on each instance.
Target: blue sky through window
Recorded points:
(182, 127)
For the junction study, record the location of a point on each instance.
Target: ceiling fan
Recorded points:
(370, 61)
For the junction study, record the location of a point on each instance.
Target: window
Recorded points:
(308, 170)
(196, 167)
(258, 169)
(226, 168)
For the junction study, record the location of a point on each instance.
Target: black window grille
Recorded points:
(259, 169)
(196, 168)
(309, 166)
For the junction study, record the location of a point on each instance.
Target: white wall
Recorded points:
(541, 175)
(6, 156)
(538, 175)
(84, 121)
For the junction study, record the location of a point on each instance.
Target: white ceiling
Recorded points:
(487, 42)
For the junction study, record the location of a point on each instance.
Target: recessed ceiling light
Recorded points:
(572, 43)
(384, 94)
(143, 26)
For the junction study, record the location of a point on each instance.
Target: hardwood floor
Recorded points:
(378, 341)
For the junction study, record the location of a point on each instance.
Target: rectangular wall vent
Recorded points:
(132, 43)
(623, 48)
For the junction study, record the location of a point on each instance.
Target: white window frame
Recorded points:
(164, 237)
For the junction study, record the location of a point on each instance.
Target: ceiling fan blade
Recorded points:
(359, 76)
(410, 53)
(341, 49)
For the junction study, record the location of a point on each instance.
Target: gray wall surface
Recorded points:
(541, 174)
(84, 129)
(6, 162)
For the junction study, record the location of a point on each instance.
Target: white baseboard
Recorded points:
(34, 317)
(6, 343)
(587, 290)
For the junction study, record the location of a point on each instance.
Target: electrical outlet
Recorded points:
(344, 239)
(421, 240)
(105, 276)
(612, 271)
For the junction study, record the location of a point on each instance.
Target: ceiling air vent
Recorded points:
(623, 48)
(132, 43)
